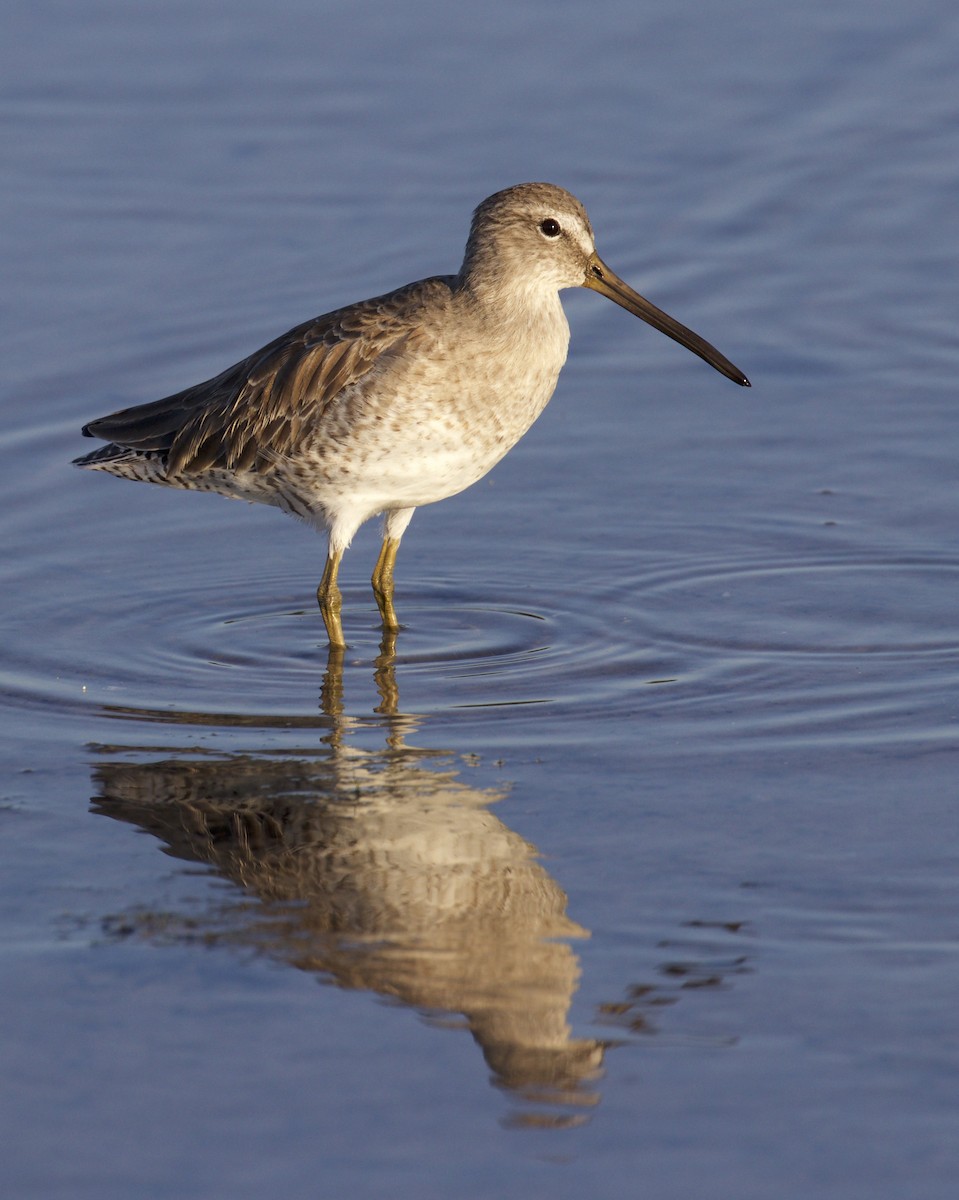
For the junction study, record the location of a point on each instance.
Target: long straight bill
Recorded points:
(601, 279)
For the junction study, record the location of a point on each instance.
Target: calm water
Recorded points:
(638, 860)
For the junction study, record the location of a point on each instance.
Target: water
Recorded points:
(638, 859)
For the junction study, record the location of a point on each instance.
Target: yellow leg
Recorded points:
(330, 601)
(383, 583)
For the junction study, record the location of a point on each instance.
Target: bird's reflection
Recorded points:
(384, 870)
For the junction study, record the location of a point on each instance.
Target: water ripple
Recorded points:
(849, 607)
(746, 648)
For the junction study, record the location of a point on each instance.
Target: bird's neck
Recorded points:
(514, 304)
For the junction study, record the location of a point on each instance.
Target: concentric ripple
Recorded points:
(253, 646)
(848, 607)
(716, 649)
(200, 619)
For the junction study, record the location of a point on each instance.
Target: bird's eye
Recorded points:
(550, 228)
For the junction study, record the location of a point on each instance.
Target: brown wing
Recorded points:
(256, 411)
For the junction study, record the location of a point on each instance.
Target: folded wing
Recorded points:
(260, 409)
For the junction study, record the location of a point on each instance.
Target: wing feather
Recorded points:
(256, 412)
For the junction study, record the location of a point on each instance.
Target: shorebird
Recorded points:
(393, 402)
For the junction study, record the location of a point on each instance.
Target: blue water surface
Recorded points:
(632, 867)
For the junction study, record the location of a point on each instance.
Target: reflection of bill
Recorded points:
(384, 871)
